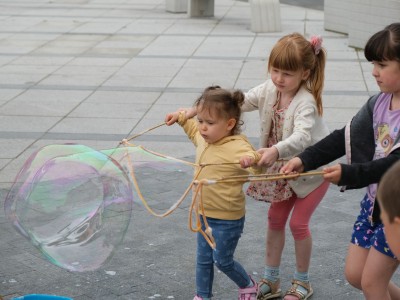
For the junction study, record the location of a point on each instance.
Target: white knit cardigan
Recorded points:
(302, 127)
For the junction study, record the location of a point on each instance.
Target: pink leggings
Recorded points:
(303, 209)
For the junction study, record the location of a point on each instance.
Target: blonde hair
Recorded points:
(223, 103)
(293, 53)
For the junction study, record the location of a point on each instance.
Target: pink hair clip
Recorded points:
(316, 42)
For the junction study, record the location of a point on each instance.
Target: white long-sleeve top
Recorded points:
(302, 127)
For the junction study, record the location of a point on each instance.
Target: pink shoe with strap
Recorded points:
(197, 298)
(249, 293)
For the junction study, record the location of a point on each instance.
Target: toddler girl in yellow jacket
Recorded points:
(216, 137)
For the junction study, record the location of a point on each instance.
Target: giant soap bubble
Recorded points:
(73, 203)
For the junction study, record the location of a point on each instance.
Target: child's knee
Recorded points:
(366, 284)
(224, 265)
(353, 276)
(299, 231)
(276, 222)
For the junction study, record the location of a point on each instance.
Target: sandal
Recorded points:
(297, 289)
(274, 290)
(249, 293)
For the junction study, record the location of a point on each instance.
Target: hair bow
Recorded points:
(316, 42)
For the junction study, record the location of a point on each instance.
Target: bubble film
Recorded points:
(157, 179)
(73, 203)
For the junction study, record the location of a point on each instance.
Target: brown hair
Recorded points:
(384, 45)
(293, 53)
(223, 103)
(389, 191)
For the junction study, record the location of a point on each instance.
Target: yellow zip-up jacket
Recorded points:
(225, 201)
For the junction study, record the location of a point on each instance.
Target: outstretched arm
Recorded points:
(190, 112)
(325, 151)
(359, 175)
(172, 118)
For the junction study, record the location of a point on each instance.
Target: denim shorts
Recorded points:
(366, 234)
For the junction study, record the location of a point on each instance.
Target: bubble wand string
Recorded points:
(266, 177)
(124, 141)
(111, 176)
(197, 203)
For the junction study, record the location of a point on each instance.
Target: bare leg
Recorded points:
(303, 250)
(275, 243)
(355, 262)
(361, 268)
(303, 256)
(299, 225)
(394, 291)
(378, 271)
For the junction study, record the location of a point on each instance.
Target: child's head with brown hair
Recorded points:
(389, 192)
(388, 196)
(294, 52)
(220, 105)
(384, 45)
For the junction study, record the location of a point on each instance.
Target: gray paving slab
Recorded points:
(95, 71)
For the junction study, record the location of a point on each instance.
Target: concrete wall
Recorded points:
(360, 18)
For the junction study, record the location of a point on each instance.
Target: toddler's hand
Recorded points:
(293, 165)
(246, 161)
(171, 118)
(190, 112)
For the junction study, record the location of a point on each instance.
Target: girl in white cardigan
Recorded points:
(290, 109)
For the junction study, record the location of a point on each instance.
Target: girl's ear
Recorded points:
(306, 74)
(231, 124)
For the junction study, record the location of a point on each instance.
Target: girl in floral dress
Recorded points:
(290, 110)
